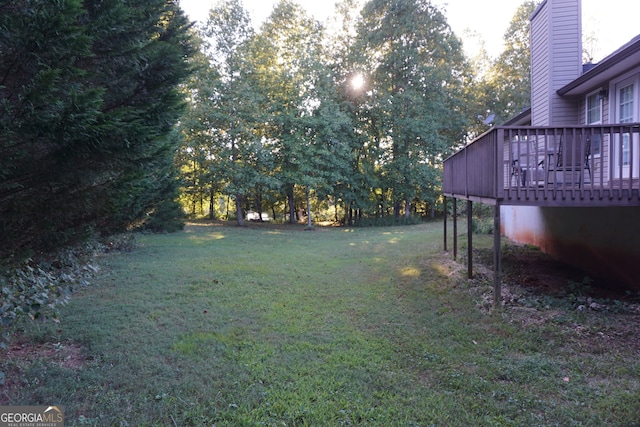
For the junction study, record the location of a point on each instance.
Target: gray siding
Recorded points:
(540, 106)
(556, 60)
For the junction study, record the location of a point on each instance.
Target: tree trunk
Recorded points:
(308, 209)
(292, 208)
(396, 209)
(212, 205)
(259, 205)
(407, 209)
(239, 209)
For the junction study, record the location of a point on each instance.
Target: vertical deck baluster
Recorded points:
(497, 257)
(444, 203)
(469, 239)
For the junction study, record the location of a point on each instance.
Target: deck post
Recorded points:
(455, 228)
(497, 257)
(470, 239)
(445, 223)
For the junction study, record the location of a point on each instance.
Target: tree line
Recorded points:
(111, 112)
(356, 115)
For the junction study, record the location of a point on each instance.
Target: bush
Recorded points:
(167, 218)
(386, 221)
(482, 225)
(482, 221)
(36, 289)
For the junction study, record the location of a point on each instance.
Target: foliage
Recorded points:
(88, 98)
(288, 122)
(37, 288)
(483, 218)
(506, 88)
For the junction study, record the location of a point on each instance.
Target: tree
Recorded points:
(507, 89)
(200, 161)
(226, 31)
(88, 100)
(287, 61)
(356, 173)
(418, 72)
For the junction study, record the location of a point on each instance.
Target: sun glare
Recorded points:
(357, 82)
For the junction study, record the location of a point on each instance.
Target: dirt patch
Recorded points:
(21, 354)
(539, 290)
(66, 355)
(527, 266)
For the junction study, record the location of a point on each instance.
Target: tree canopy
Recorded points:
(506, 89)
(374, 148)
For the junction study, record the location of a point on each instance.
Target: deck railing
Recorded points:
(586, 165)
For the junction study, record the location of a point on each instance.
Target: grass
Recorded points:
(278, 326)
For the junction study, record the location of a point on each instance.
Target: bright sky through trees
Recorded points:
(614, 22)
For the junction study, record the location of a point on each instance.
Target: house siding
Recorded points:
(556, 60)
(540, 107)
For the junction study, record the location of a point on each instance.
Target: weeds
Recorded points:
(37, 290)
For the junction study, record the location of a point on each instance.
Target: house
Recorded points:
(564, 175)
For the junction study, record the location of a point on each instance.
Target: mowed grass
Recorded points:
(278, 326)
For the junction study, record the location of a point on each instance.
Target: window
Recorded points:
(594, 117)
(594, 109)
(625, 114)
(626, 104)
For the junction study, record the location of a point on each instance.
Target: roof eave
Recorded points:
(621, 60)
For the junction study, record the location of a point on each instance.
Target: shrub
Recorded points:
(167, 218)
(386, 221)
(36, 289)
(482, 220)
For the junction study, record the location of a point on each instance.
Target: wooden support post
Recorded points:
(497, 258)
(470, 239)
(445, 223)
(455, 228)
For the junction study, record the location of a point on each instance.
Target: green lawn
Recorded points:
(278, 326)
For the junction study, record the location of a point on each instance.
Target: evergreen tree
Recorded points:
(88, 100)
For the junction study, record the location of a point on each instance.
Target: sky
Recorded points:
(614, 22)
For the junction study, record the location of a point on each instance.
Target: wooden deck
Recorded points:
(547, 166)
(543, 166)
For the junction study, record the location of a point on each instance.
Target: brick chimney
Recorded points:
(556, 60)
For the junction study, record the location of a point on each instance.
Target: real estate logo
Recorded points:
(31, 416)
